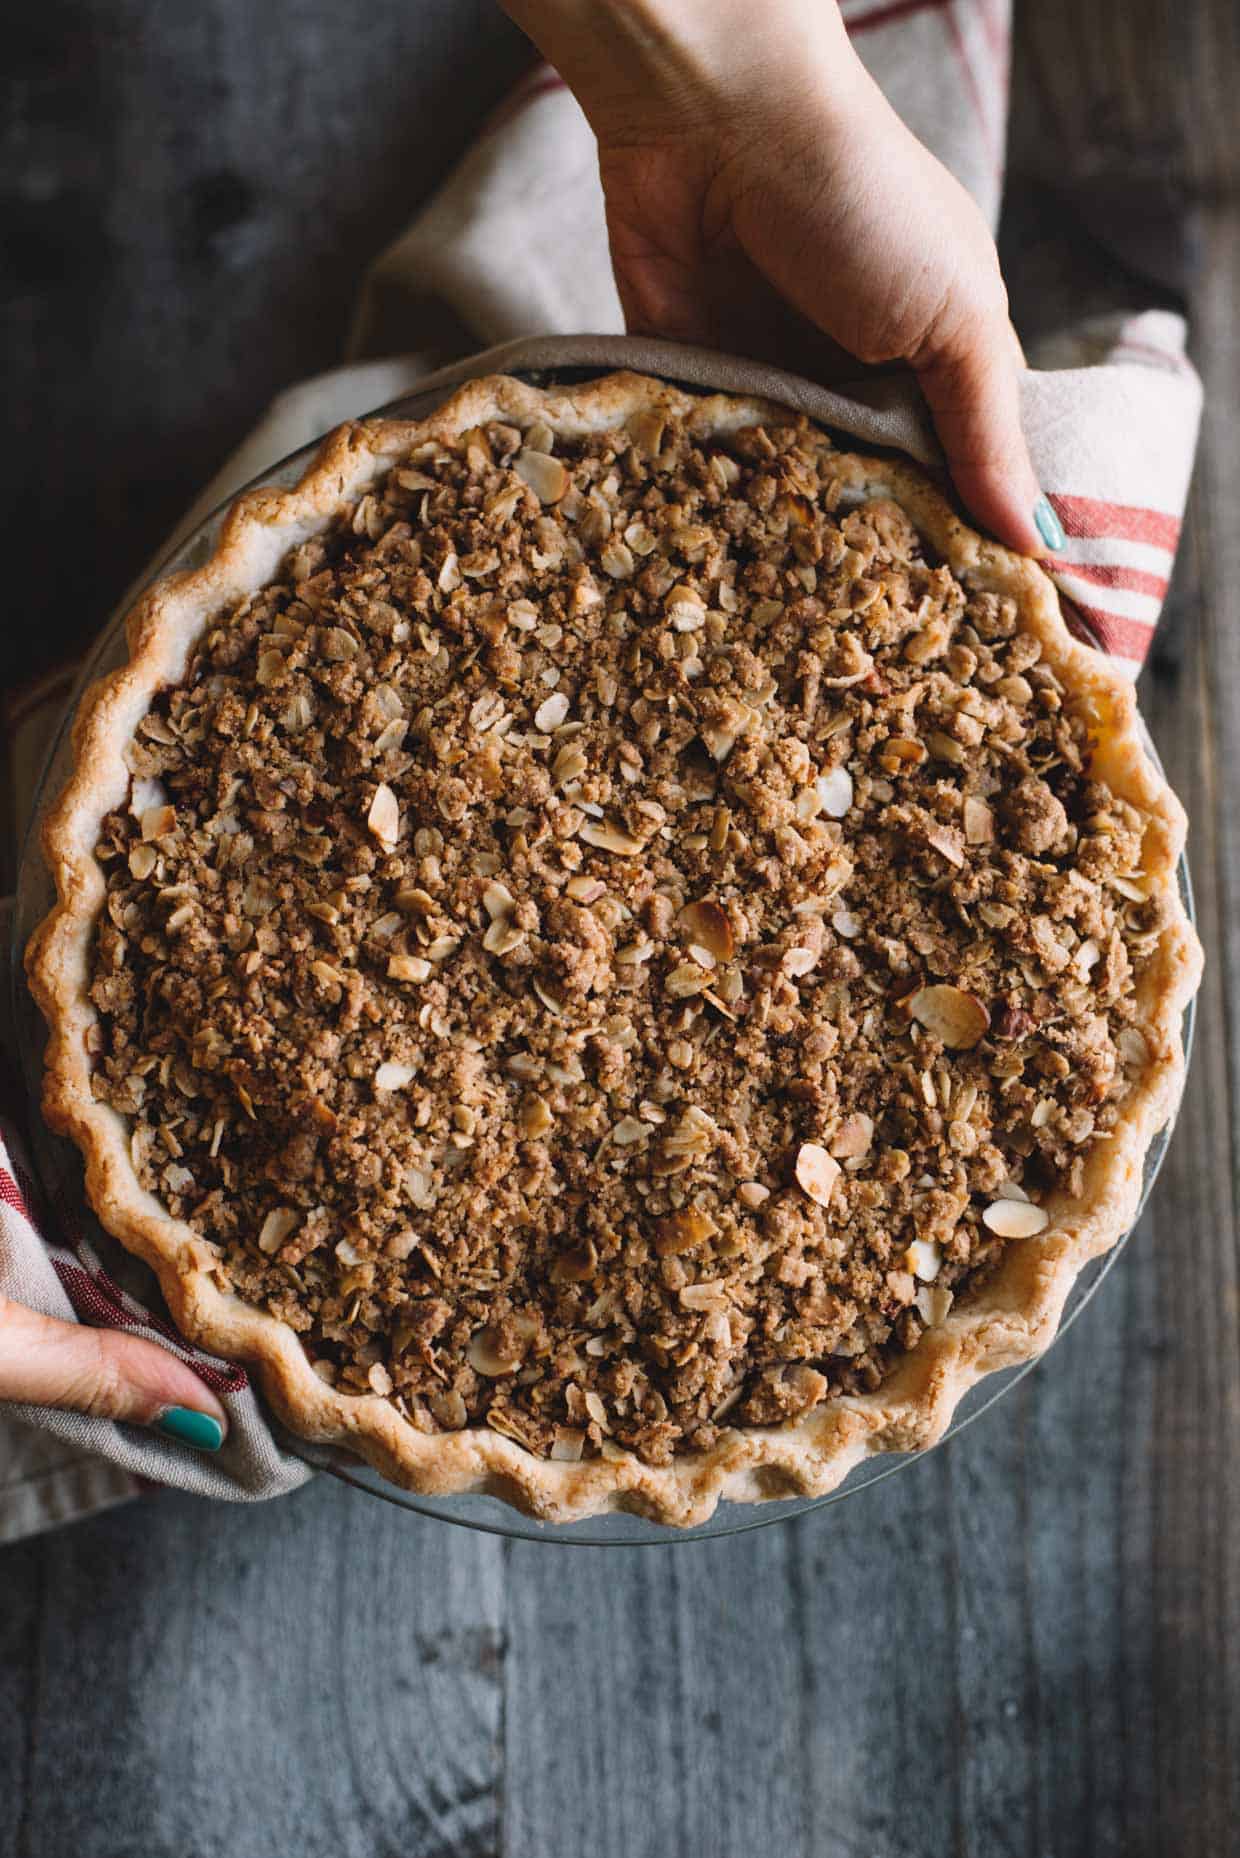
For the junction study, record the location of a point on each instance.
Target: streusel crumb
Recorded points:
(612, 942)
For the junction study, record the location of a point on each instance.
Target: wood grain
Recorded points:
(188, 198)
(206, 1680)
(1028, 1645)
(1196, 1585)
(1143, 90)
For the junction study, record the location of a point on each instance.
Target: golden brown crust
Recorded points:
(1007, 1320)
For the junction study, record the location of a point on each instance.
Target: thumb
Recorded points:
(106, 1373)
(970, 383)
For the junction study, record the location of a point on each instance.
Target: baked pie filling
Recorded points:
(616, 939)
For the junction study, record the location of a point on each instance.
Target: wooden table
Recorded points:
(1028, 1644)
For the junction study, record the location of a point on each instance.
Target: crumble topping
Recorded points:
(613, 940)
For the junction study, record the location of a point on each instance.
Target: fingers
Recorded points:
(970, 382)
(105, 1373)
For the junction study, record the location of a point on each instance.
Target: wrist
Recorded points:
(647, 69)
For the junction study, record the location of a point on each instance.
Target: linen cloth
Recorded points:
(515, 245)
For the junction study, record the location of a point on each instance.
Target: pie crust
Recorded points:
(1008, 1318)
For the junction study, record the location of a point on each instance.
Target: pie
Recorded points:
(618, 953)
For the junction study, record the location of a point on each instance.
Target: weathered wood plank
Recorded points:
(740, 1684)
(1138, 90)
(322, 1674)
(189, 197)
(1083, 1481)
(1196, 1576)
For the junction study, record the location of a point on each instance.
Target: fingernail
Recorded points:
(190, 1428)
(1048, 524)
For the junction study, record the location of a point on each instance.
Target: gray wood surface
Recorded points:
(1030, 1643)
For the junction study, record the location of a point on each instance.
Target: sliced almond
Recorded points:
(551, 714)
(576, 1266)
(798, 962)
(393, 1076)
(853, 1137)
(945, 840)
(276, 1228)
(338, 645)
(157, 822)
(569, 765)
(932, 1302)
(753, 1194)
(956, 1018)
(449, 1409)
(502, 937)
(1015, 1219)
(270, 666)
(901, 751)
(378, 1379)
(945, 748)
(383, 818)
(408, 968)
(1133, 887)
(548, 999)
(618, 561)
(924, 1259)
(568, 1445)
(485, 1354)
(497, 900)
(646, 429)
(535, 1117)
(1086, 957)
(420, 1187)
(706, 922)
(609, 838)
(545, 475)
(835, 790)
(712, 1295)
(392, 735)
(142, 861)
(979, 821)
(719, 742)
(816, 1172)
(685, 609)
(849, 678)
(414, 901)
(680, 1232)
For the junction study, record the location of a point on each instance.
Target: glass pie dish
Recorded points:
(542, 363)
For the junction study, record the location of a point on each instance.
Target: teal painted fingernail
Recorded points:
(197, 1429)
(1048, 524)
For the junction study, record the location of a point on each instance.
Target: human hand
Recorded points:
(762, 196)
(106, 1373)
